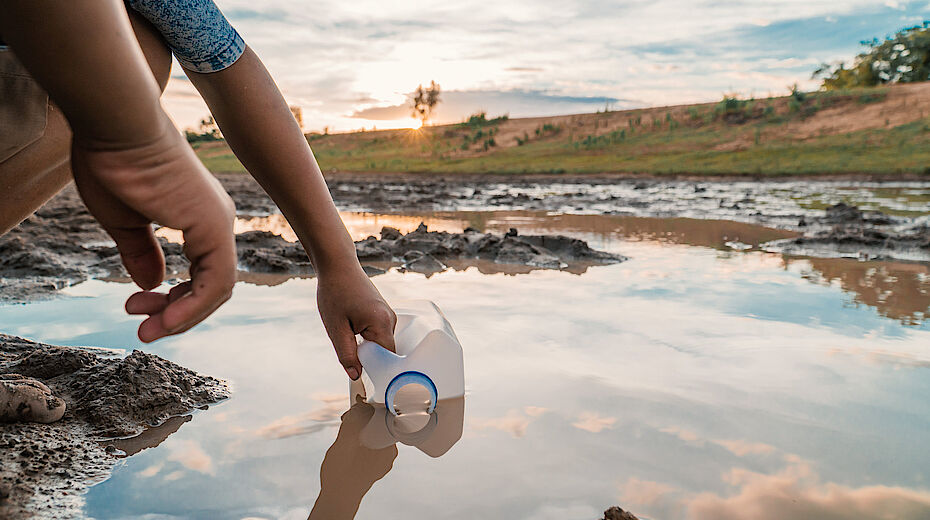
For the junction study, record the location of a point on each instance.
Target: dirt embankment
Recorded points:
(44, 468)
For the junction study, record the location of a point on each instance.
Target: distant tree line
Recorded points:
(902, 58)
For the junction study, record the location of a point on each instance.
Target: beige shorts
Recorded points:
(23, 107)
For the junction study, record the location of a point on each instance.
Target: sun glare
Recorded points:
(416, 124)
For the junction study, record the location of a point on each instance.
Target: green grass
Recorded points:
(657, 145)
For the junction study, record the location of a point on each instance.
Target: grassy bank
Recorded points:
(882, 131)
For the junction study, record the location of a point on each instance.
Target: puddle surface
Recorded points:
(697, 380)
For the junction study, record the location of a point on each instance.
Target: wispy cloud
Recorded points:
(326, 55)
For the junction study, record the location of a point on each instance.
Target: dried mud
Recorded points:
(44, 468)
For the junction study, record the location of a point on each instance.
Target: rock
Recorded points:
(615, 513)
(26, 400)
(420, 262)
(265, 252)
(389, 233)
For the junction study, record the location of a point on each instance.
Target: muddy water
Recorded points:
(701, 379)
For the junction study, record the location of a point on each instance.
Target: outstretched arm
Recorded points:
(129, 162)
(262, 132)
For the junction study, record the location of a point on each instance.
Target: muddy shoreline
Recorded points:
(836, 230)
(61, 245)
(44, 468)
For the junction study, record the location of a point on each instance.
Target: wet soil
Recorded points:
(839, 230)
(44, 468)
(847, 231)
(61, 244)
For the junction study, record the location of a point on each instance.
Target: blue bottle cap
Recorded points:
(404, 379)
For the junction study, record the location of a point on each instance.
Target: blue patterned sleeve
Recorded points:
(197, 32)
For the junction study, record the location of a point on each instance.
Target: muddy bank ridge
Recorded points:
(838, 230)
(44, 468)
(61, 244)
(847, 231)
(427, 252)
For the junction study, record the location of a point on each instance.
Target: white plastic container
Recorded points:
(428, 354)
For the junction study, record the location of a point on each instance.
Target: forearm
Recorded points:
(85, 55)
(262, 132)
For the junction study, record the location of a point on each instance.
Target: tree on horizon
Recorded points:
(424, 100)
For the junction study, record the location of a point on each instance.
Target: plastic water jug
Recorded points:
(428, 354)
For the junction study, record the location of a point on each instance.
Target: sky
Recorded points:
(353, 65)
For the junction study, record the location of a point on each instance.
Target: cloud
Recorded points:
(534, 411)
(190, 455)
(326, 53)
(457, 105)
(309, 422)
(743, 448)
(388, 113)
(681, 433)
(514, 423)
(797, 493)
(643, 492)
(593, 422)
(738, 447)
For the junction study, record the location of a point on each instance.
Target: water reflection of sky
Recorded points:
(688, 382)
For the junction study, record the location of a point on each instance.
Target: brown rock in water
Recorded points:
(615, 513)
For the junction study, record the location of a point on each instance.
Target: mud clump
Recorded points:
(842, 214)
(44, 468)
(265, 252)
(847, 231)
(427, 251)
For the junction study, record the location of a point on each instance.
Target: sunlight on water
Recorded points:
(690, 382)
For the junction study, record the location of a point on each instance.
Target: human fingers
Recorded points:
(141, 254)
(146, 302)
(149, 302)
(139, 250)
(379, 322)
(210, 246)
(346, 346)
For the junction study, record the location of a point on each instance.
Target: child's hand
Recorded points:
(161, 180)
(350, 304)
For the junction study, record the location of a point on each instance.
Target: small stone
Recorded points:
(615, 513)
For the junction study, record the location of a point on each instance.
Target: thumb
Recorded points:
(141, 254)
(381, 335)
(347, 350)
